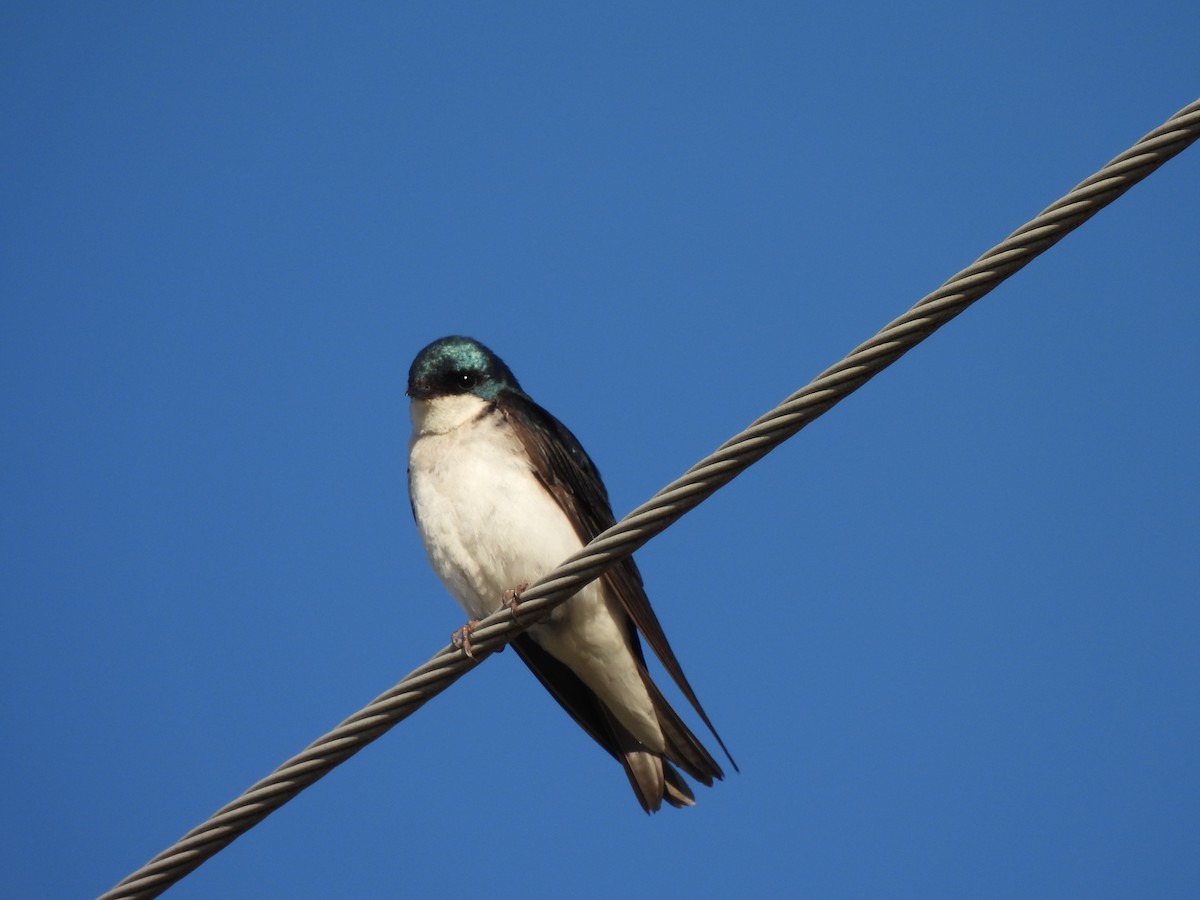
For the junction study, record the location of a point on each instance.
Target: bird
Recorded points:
(502, 492)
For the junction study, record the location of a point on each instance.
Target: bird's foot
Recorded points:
(512, 599)
(461, 639)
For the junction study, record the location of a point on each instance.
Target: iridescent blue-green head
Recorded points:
(458, 365)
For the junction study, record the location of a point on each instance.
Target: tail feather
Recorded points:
(646, 771)
(683, 747)
(678, 794)
(651, 775)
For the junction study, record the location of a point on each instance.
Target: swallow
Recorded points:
(502, 492)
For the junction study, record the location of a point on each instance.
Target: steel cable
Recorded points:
(694, 486)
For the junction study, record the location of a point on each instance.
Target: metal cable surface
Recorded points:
(653, 516)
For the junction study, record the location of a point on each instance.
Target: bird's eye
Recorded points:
(465, 380)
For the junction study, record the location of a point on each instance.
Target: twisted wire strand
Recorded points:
(685, 493)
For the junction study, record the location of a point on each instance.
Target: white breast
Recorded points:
(488, 526)
(486, 522)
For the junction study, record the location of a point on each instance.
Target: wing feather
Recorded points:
(572, 479)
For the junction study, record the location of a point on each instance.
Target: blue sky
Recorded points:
(950, 631)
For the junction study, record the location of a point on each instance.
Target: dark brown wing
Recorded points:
(593, 717)
(568, 473)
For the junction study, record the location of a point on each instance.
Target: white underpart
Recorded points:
(488, 526)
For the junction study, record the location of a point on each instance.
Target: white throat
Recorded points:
(441, 415)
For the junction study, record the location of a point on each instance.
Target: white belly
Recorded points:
(486, 522)
(488, 526)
